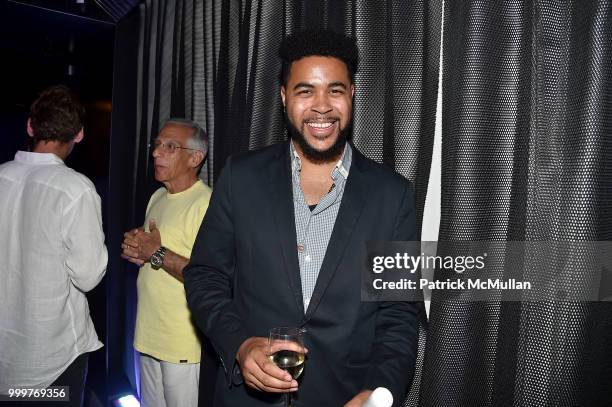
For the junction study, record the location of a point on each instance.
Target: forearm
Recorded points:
(174, 264)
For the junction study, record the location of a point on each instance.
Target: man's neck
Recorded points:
(181, 184)
(60, 149)
(316, 169)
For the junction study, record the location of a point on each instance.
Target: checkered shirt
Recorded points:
(314, 228)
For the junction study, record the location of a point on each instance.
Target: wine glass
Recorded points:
(286, 350)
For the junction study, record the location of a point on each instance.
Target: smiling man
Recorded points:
(165, 336)
(282, 245)
(318, 97)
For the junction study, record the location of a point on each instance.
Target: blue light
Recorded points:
(128, 401)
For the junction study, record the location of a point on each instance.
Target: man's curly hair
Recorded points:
(320, 43)
(56, 114)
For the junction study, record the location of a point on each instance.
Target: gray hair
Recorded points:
(199, 138)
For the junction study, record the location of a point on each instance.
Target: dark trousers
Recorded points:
(73, 377)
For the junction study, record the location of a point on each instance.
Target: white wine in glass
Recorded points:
(290, 361)
(286, 350)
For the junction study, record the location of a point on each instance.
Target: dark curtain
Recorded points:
(124, 210)
(526, 155)
(217, 62)
(526, 151)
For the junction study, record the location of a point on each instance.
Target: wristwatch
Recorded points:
(157, 258)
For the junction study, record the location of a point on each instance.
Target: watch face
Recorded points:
(156, 260)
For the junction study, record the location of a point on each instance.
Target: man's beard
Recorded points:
(333, 153)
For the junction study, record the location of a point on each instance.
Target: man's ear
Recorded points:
(196, 158)
(29, 128)
(283, 95)
(352, 90)
(79, 137)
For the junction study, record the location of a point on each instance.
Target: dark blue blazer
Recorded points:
(243, 279)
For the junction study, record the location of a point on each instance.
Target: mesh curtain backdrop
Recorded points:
(526, 150)
(526, 155)
(217, 62)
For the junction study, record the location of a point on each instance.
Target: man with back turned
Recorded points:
(52, 250)
(282, 245)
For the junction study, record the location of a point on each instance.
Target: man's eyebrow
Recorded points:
(303, 85)
(336, 84)
(310, 86)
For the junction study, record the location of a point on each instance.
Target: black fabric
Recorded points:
(526, 155)
(216, 62)
(244, 277)
(526, 151)
(209, 363)
(128, 194)
(73, 377)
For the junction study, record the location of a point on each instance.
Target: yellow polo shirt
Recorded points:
(164, 328)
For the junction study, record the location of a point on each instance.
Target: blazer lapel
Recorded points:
(281, 194)
(350, 210)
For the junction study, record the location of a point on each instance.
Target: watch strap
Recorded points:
(157, 258)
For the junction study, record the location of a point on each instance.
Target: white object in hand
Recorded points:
(380, 397)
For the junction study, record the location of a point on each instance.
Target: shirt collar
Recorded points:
(29, 157)
(342, 167)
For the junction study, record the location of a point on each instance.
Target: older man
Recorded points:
(165, 336)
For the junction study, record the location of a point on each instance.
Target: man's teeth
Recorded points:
(321, 125)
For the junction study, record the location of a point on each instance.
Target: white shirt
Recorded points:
(51, 252)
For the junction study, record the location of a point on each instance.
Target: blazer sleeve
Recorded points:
(210, 273)
(396, 339)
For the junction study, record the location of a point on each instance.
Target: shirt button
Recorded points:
(307, 258)
(300, 247)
